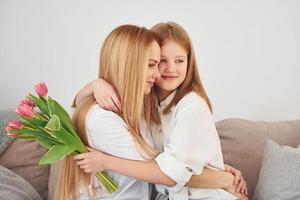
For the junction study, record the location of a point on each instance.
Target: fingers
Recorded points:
(246, 190)
(107, 103)
(106, 95)
(243, 188)
(112, 105)
(116, 101)
(240, 196)
(240, 186)
(82, 163)
(85, 168)
(238, 177)
(99, 102)
(80, 156)
(239, 181)
(87, 171)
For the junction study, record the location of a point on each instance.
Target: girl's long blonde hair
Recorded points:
(123, 61)
(192, 81)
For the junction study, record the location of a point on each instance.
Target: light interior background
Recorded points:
(248, 51)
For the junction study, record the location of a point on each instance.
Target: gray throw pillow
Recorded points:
(5, 117)
(243, 143)
(279, 177)
(14, 187)
(22, 157)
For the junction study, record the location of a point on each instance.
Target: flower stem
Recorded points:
(109, 184)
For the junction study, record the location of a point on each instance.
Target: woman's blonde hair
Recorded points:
(192, 81)
(123, 61)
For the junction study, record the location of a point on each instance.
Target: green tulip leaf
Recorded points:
(45, 143)
(56, 153)
(53, 124)
(37, 134)
(69, 139)
(42, 105)
(57, 109)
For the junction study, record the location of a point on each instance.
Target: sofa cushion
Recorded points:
(22, 157)
(243, 143)
(5, 117)
(279, 176)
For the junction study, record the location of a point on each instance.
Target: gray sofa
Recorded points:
(242, 143)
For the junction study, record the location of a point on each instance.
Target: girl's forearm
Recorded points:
(147, 171)
(83, 93)
(211, 179)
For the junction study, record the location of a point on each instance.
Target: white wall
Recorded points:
(248, 51)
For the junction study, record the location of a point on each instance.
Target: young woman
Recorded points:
(188, 138)
(128, 61)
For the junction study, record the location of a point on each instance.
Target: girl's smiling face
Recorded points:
(172, 67)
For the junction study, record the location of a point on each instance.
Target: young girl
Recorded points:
(188, 138)
(132, 75)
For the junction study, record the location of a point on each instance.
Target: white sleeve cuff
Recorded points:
(174, 169)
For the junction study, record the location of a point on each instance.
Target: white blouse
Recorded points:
(190, 142)
(108, 133)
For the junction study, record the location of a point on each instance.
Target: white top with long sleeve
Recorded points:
(108, 133)
(190, 142)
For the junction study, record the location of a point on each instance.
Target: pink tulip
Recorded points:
(28, 102)
(11, 134)
(25, 110)
(41, 89)
(14, 125)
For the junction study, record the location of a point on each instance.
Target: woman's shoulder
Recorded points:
(97, 112)
(103, 118)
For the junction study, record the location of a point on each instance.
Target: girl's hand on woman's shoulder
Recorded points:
(106, 95)
(92, 161)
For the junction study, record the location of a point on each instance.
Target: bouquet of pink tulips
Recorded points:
(51, 126)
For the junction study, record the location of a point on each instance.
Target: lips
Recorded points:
(168, 76)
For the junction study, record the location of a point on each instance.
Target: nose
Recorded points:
(170, 67)
(156, 73)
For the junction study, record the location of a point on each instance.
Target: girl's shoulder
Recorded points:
(192, 104)
(191, 100)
